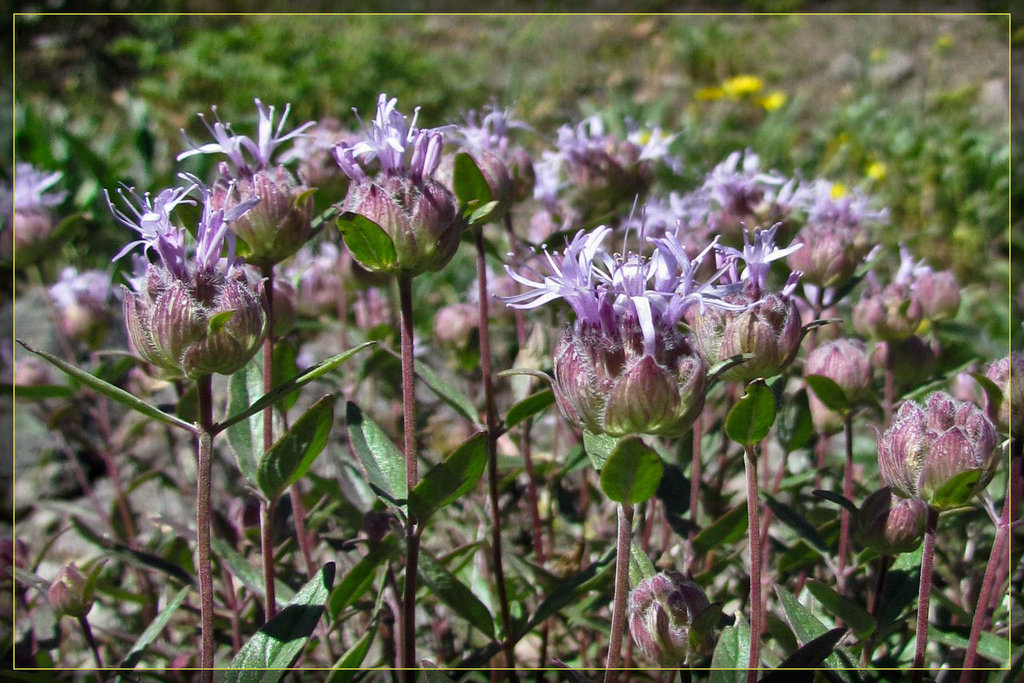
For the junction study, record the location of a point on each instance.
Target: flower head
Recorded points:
(245, 154)
(743, 195)
(663, 614)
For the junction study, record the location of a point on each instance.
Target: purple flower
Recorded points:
(31, 187)
(745, 195)
(401, 148)
(236, 147)
(491, 132)
(826, 204)
(757, 256)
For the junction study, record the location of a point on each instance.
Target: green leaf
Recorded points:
(528, 407)
(152, 631)
(632, 472)
(218, 320)
(957, 491)
(111, 391)
(805, 625)
(852, 614)
(450, 479)
(810, 656)
(293, 454)
(732, 654)
(383, 462)
(751, 418)
(569, 591)
(359, 579)
(482, 213)
(455, 594)
(284, 368)
(469, 183)
(829, 393)
(837, 498)
(246, 436)
(368, 242)
(992, 391)
(794, 520)
(728, 528)
(990, 646)
(794, 426)
(285, 388)
(716, 370)
(248, 575)
(640, 566)
(277, 645)
(351, 662)
(456, 398)
(598, 447)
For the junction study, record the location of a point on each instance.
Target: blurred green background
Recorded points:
(913, 109)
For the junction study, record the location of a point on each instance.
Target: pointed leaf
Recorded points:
(152, 631)
(632, 472)
(732, 654)
(246, 436)
(285, 388)
(808, 657)
(111, 391)
(805, 625)
(829, 393)
(351, 662)
(293, 454)
(957, 491)
(794, 520)
(383, 462)
(358, 579)
(528, 407)
(455, 594)
(598, 447)
(852, 614)
(277, 645)
(640, 566)
(837, 498)
(248, 575)
(751, 418)
(469, 182)
(450, 479)
(727, 529)
(368, 242)
(454, 397)
(569, 591)
(482, 213)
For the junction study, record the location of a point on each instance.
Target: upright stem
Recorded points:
(618, 626)
(753, 533)
(83, 621)
(995, 571)
(412, 531)
(925, 593)
(889, 396)
(695, 483)
(205, 467)
(267, 506)
(492, 450)
(844, 520)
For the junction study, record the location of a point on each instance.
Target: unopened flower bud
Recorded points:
(1008, 375)
(454, 324)
(845, 362)
(890, 528)
(927, 447)
(662, 611)
(70, 593)
(939, 294)
(418, 214)
(608, 384)
(279, 224)
(770, 330)
(831, 254)
(889, 314)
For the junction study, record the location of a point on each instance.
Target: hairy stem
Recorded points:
(753, 533)
(267, 507)
(844, 520)
(881, 571)
(491, 421)
(412, 531)
(618, 626)
(925, 594)
(996, 570)
(205, 467)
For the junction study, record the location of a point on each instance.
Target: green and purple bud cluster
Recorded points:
(663, 614)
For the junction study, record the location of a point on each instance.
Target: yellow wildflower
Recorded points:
(715, 93)
(876, 170)
(745, 84)
(773, 100)
(944, 42)
(838, 190)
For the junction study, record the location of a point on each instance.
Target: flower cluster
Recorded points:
(665, 619)
(192, 313)
(84, 300)
(28, 207)
(744, 196)
(281, 223)
(417, 212)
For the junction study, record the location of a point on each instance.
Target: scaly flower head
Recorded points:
(745, 196)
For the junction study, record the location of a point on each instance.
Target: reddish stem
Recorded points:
(753, 533)
(412, 531)
(924, 594)
(844, 520)
(618, 625)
